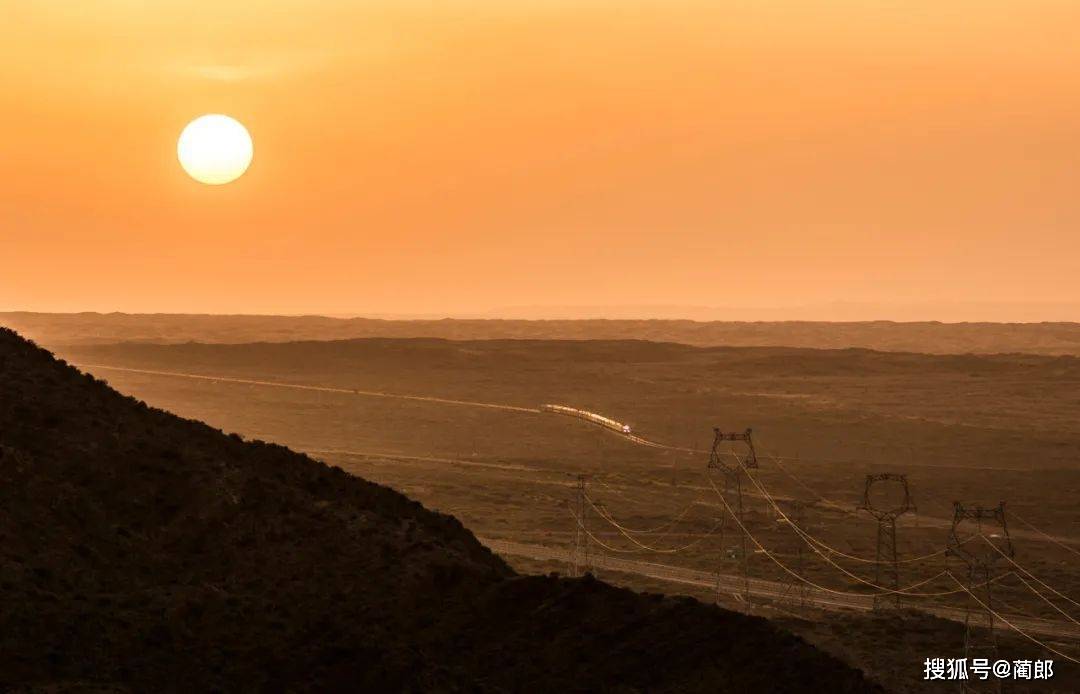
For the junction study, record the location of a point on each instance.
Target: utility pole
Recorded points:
(579, 555)
(968, 524)
(886, 566)
(733, 482)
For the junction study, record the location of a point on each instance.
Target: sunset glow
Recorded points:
(579, 276)
(462, 157)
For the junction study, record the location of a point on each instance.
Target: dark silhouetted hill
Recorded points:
(144, 552)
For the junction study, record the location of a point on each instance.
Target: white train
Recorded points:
(588, 416)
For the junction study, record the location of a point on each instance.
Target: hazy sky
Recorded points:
(452, 156)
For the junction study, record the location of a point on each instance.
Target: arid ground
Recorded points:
(963, 427)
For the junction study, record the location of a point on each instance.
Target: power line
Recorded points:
(904, 591)
(608, 487)
(1014, 608)
(1012, 626)
(798, 589)
(588, 533)
(1047, 536)
(845, 555)
(806, 537)
(1030, 575)
(650, 531)
(776, 461)
(1047, 600)
(675, 550)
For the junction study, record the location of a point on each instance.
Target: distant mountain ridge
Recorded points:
(832, 311)
(143, 552)
(55, 330)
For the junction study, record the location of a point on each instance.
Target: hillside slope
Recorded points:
(143, 552)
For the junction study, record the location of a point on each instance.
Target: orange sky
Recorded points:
(452, 157)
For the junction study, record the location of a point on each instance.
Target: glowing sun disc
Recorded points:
(215, 149)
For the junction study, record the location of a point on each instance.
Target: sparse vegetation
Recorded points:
(144, 552)
(976, 428)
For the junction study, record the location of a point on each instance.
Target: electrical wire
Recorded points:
(689, 507)
(650, 531)
(904, 591)
(1030, 575)
(843, 570)
(1012, 626)
(600, 542)
(807, 536)
(1017, 610)
(831, 549)
(1045, 599)
(673, 550)
(818, 495)
(1013, 514)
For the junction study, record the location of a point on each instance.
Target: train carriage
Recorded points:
(603, 421)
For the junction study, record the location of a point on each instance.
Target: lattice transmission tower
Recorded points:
(579, 554)
(972, 523)
(887, 566)
(733, 472)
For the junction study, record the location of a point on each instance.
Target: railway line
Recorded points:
(323, 389)
(762, 588)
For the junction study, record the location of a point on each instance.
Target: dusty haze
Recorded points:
(445, 159)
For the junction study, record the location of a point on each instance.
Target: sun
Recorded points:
(215, 149)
